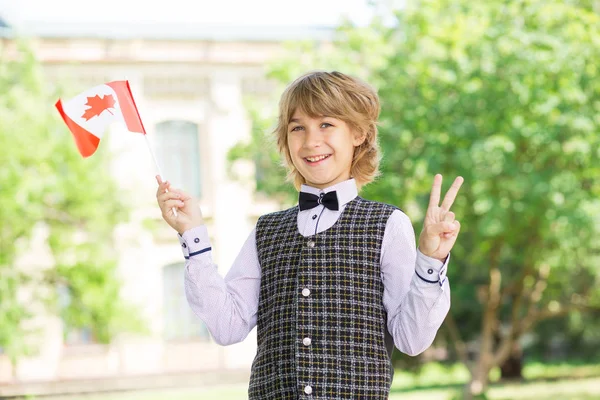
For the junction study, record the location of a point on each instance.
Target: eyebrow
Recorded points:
(298, 120)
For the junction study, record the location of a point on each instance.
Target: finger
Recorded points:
(162, 187)
(456, 227)
(158, 179)
(449, 217)
(452, 192)
(434, 198)
(454, 232)
(183, 195)
(163, 197)
(440, 228)
(169, 204)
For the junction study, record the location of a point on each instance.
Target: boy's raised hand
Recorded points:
(188, 213)
(440, 228)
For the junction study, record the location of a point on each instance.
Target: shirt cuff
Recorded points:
(431, 270)
(194, 242)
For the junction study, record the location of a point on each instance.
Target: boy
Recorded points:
(333, 283)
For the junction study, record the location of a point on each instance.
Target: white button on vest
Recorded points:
(307, 390)
(310, 244)
(306, 341)
(306, 292)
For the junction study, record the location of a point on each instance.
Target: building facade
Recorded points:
(190, 84)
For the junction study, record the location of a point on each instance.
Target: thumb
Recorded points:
(183, 196)
(440, 228)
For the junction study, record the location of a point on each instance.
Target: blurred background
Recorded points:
(504, 93)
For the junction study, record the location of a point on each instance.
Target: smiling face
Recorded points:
(325, 115)
(321, 148)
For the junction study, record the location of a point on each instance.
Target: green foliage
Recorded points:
(506, 95)
(354, 50)
(49, 192)
(270, 173)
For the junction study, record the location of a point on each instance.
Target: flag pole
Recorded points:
(157, 166)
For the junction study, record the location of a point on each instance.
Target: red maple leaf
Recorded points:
(98, 105)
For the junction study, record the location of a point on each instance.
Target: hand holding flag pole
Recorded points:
(87, 120)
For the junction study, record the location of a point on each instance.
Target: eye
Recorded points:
(296, 128)
(325, 125)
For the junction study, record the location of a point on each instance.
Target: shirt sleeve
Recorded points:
(227, 306)
(416, 291)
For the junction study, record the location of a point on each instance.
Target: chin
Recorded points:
(321, 182)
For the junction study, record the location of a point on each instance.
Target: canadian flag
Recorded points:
(88, 114)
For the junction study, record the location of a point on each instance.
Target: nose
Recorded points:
(312, 138)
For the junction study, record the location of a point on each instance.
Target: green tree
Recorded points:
(48, 189)
(506, 94)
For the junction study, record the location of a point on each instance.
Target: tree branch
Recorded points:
(533, 299)
(508, 340)
(490, 314)
(559, 310)
(516, 329)
(457, 341)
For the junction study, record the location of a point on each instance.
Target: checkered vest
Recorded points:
(322, 326)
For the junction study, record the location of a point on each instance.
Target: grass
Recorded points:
(567, 381)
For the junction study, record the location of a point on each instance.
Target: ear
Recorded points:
(359, 138)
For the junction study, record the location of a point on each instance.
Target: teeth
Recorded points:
(317, 158)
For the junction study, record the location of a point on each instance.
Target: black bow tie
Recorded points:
(309, 200)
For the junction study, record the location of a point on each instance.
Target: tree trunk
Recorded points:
(512, 368)
(485, 361)
(478, 385)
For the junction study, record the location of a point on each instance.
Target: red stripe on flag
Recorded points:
(86, 142)
(128, 107)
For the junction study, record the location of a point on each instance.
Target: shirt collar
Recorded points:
(346, 191)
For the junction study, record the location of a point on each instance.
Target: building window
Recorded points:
(177, 151)
(180, 322)
(73, 336)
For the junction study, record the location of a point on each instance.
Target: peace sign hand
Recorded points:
(440, 229)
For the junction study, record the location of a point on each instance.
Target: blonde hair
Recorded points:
(339, 96)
